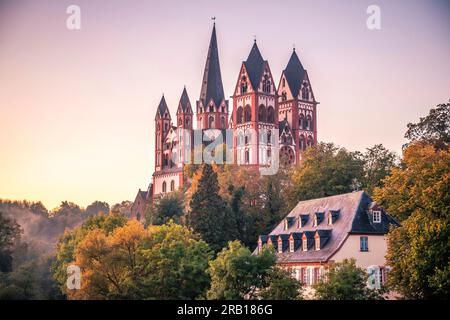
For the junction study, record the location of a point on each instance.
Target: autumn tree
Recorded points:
(345, 281)
(237, 274)
(208, 210)
(325, 170)
(420, 183)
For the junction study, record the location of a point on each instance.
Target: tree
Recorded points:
(68, 243)
(325, 170)
(131, 262)
(420, 183)
(282, 286)
(97, 207)
(434, 128)
(208, 210)
(418, 253)
(9, 233)
(378, 163)
(168, 207)
(237, 274)
(345, 281)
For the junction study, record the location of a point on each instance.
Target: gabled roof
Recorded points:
(162, 108)
(354, 217)
(255, 66)
(212, 87)
(294, 73)
(185, 103)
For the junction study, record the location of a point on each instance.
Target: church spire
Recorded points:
(212, 87)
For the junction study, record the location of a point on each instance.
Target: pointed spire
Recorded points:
(294, 73)
(212, 87)
(254, 65)
(185, 103)
(162, 108)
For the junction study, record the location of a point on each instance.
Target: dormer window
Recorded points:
(376, 216)
(280, 246)
(286, 224)
(315, 221)
(291, 245)
(317, 243)
(259, 246)
(305, 244)
(330, 219)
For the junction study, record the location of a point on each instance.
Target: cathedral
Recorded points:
(260, 108)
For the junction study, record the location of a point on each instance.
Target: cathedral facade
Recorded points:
(267, 120)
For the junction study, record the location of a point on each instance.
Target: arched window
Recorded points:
(305, 92)
(164, 187)
(309, 123)
(188, 122)
(244, 84)
(211, 121)
(172, 185)
(180, 121)
(269, 137)
(283, 83)
(270, 115)
(211, 108)
(283, 96)
(247, 114)
(302, 142)
(262, 114)
(247, 157)
(222, 122)
(166, 160)
(301, 121)
(310, 141)
(239, 115)
(266, 84)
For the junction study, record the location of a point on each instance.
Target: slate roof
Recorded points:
(294, 73)
(255, 66)
(185, 103)
(354, 217)
(162, 108)
(212, 87)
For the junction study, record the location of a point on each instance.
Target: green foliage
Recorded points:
(208, 210)
(168, 207)
(66, 247)
(237, 274)
(345, 281)
(378, 163)
(433, 129)
(9, 233)
(175, 263)
(325, 170)
(418, 253)
(282, 286)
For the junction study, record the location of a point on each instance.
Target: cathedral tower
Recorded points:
(255, 110)
(212, 108)
(297, 105)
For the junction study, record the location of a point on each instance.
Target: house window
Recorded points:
(284, 82)
(280, 246)
(304, 275)
(317, 243)
(377, 217)
(266, 84)
(286, 224)
(330, 218)
(247, 157)
(315, 221)
(283, 96)
(305, 244)
(364, 244)
(164, 187)
(291, 246)
(172, 185)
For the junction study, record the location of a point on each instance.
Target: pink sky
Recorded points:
(77, 107)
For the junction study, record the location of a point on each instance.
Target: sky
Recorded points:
(77, 107)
